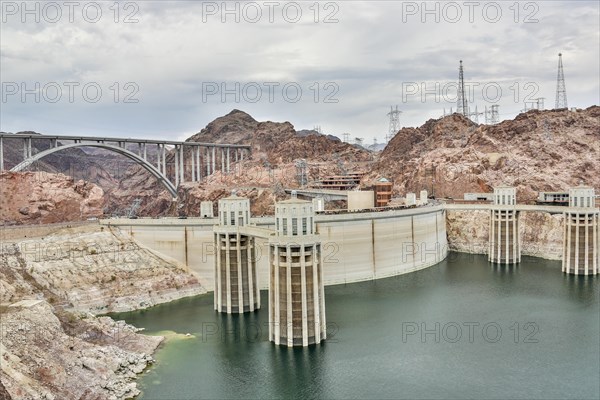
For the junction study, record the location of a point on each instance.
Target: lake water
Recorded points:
(460, 329)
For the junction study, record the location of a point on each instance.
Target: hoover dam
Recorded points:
(356, 247)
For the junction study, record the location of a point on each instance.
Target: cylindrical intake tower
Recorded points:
(581, 243)
(296, 291)
(504, 245)
(236, 286)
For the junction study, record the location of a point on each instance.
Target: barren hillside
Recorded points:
(537, 151)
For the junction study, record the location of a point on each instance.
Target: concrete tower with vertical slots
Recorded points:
(236, 286)
(581, 243)
(504, 245)
(296, 290)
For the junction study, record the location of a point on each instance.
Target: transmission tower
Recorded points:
(394, 123)
(561, 90)
(317, 128)
(358, 141)
(462, 106)
(474, 116)
(535, 104)
(345, 137)
(301, 175)
(492, 116)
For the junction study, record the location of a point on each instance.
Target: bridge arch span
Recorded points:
(132, 156)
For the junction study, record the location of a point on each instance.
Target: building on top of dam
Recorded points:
(553, 198)
(383, 192)
(236, 286)
(206, 209)
(296, 289)
(582, 196)
(478, 197)
(505, 196)
(581, 238)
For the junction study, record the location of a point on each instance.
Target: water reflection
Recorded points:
(581, 288)
(298, 372)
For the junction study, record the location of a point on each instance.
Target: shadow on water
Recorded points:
(581, 288)
(298, 372)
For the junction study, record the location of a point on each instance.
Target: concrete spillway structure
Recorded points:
(236, 285)
(504, 244)
(581, 244)
(296, 289)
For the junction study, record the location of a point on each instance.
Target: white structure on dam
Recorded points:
(296, 288)
(504, 243)
(236, 286)
(355, 247)
(581, 248)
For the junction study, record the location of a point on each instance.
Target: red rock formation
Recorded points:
(537, 151)
(40, 197)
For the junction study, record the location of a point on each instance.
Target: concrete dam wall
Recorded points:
(355, 246)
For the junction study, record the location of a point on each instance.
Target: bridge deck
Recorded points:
(118, 140)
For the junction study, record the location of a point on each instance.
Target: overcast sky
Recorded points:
(166, 68)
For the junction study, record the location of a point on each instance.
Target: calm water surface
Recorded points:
(460, 329)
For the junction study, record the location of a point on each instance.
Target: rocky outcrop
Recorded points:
(92, 269)
(547, 150)
(41, 197)
(541, 233)
(51, 286)
(277, 142)
(78, 357)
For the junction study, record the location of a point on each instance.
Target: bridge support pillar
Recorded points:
(193, 163)
(158, 157)
(207, 161)
(198, 165)
(164, 160)
(214, 163)
(296, 290)
(181, 165)
(176, 167)
(228, 160)
(581, 240)
(236, 284)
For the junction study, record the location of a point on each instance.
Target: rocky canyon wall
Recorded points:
(541, 233)
(52, 346)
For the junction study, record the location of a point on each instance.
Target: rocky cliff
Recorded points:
(277, 142)
(51, 286)
(40, 197)
(548, 150)
(541, 233)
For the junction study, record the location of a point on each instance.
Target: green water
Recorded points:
(525, 332)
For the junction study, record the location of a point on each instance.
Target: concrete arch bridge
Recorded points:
(193, 161)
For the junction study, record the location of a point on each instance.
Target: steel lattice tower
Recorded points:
(462, 107)
(394, 123)
(492, 117)
(561, 91)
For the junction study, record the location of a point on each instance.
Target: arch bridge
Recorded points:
(191, 161)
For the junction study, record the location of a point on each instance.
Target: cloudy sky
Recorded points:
(164, 69)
